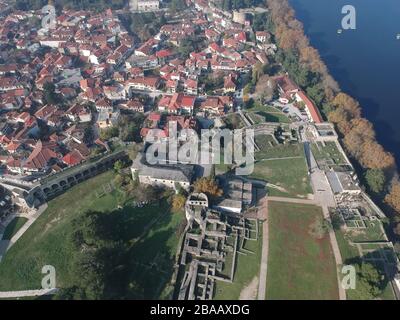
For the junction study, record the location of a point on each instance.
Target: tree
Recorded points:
(396, 231)
(129, 125)
(375, 179)
(177, 5)
(258, 71)
(118, 166)
(393, 197)
(369, 282)
(143, 193)
(341, 119)
(348, 103)
(88, 135)
(316, 93)
(375, 157)
(108, 133)
(178, 202)
(265, 88)
(361, 132)
(249, 88)
(337, 221)
(50, 93)
(209, 186)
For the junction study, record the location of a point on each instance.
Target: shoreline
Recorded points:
(376, 104)
(334, 107)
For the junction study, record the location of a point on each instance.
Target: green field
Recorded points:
(264, 141)
(284, 166)
(13, 227)
(45, 241)
(234, 121)
(289, 174)
(278, 151)
(300, 266)
(261, 114)
(327, 151)
(247, 267)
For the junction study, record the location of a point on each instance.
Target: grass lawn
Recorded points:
(45, 241)
(373, 232)
(13, 227)
(299, 265)
(327, 152)
(264, 141)
(154, 256)
(279, 151)
(247, 267)
(261, 114)
(234, 121)
(258, 107)
(289, 174)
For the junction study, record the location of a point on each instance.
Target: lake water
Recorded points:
(365, 61)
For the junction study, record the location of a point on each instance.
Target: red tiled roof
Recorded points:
(39, 157)
(153, 116)
(72, 158)
(312, 108)
(163, 53)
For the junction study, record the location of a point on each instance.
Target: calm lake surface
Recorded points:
(365, 61)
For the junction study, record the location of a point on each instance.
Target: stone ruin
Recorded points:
(206, 247)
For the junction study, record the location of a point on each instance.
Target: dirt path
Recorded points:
(264, 254)
(250, 291)
(336, 253)
(292, 200)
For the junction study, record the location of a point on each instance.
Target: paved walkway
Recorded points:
(5, 245)
(27, 293)
(336, 253)
(282, 158)
(264, 253)
(292, 200)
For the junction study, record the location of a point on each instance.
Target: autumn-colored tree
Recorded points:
(361, 131)
(257, 72)
(289, 38)
(348, 103)
(310, 56)
(341, 119)
(393, 197)
(208, 186)
(265, 88)
(375, 157)
(178, 201)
